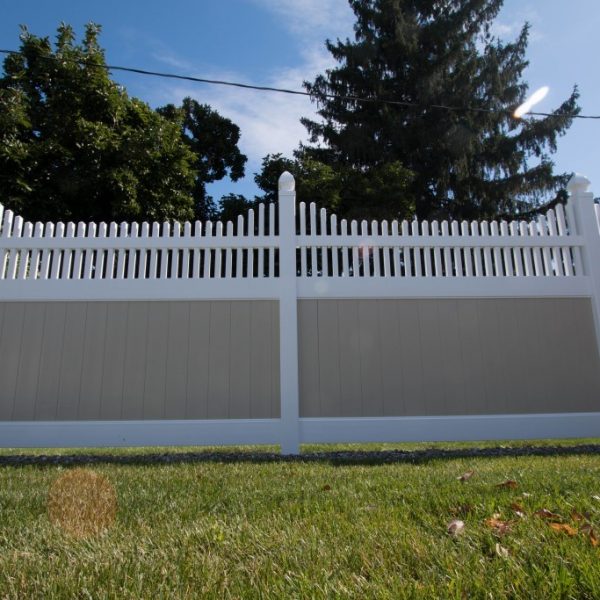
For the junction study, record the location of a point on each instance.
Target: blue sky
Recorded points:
(280, 43)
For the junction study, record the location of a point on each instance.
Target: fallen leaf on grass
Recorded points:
(499, 527)
(587, 530)
(326, 487)
(519, 510)
(564, 528)
(466, 476)
(544, 513)
(509, 483)
(456, 527)
(576, 516)
(501, 551)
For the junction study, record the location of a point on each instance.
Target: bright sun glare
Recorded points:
(534, 99)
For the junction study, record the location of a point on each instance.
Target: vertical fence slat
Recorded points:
(496, 250)
(517, 257)
(334, 249)
(465, 233)
(100, 254)
(58, 253)
(527, 255)
(89, 252)
(354, 256)
(35, 257)
(395, 249)
(417, 251)
(345, 261)
(426, 251)
(324, 257)
(477, 251)
(219, 251)
(165, 235)
(272, 233)
(437, 255)
(175, 252)
(385, 249)
(312, 209)
(555, 252)
(408, 271)
(506, 252)
(208, 253)
(448, 272)
(24, 264)
(239, 263)
(546, 256)
(375, 248)
(15, 254)
(457, 251)
(264, 262)
(48, 233)
(566, 255)
(228, 254)
(251, 231)
(132, 255)
(120, 274)
(535, 251)
(365, 249)
(144, 235)
(303, 265)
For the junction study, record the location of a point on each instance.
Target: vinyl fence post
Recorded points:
(586, 221)
(288, 317)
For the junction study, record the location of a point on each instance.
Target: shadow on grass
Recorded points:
(341, 457)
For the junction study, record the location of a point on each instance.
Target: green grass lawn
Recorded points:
(314, 529)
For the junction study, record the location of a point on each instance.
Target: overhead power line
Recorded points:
(264, 88)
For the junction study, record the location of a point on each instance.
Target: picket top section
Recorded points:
(549, 246)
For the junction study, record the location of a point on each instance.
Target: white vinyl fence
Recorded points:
(290, 253)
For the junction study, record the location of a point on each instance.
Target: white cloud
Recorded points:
(511, 21)
(312, 18)
(270, 121)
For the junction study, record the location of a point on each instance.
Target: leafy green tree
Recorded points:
(74, 145)
(430, 53)
(378, 192)
(214, 141)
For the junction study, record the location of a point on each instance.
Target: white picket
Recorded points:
(228, 254)
(375, 250)
(457, 251)
(477, 251)
(334, 249)
(448, 271)
(396, 249)
(354, 255)
(15, 254)
(24, 257)
(219, 251)
(271, 233)
(324, 257)
(408, 271)
(37, 253)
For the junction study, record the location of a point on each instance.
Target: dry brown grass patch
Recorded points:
(82, 502)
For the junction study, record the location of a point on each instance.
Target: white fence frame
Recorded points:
(556, 255)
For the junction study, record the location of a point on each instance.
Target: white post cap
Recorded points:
(286, 182)
(578, 183)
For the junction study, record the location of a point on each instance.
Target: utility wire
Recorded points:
(263, 88)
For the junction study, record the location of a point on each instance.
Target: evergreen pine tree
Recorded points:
(433, 53)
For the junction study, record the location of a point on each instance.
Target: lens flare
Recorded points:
(534, 99)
